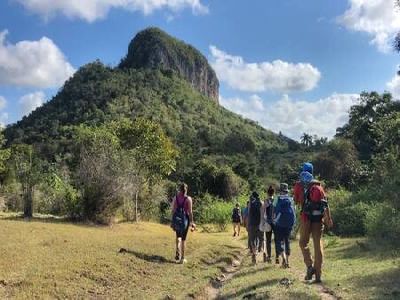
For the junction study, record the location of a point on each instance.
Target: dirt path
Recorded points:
(213, 289)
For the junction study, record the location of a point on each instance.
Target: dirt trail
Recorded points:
(213, 289)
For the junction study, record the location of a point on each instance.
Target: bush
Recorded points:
(214, 211)
(56, 196)
(383, 223)
(350, 219)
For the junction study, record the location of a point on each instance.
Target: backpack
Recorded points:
(314, 202)
(254, 213)
(267, 217)
(285, 213)
(236, 215)
(180, 219)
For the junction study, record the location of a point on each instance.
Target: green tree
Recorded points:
(362, 117)
(28, 170)
(338, 165)
(306, 140)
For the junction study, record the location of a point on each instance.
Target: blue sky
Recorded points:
(294, 66)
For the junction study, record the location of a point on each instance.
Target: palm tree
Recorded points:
(306, 139)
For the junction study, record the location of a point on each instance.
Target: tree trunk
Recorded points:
(136, 206)
(28, 197)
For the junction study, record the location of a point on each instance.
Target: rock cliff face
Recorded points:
(155, 49)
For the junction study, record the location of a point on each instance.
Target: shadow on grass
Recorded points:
(365, 248)
(383, 285)
(249, 272)
(149, 258)
(51, 219)
(249, 292)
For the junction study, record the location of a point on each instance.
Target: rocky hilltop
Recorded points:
(152, 48)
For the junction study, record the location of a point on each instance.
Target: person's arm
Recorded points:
(327, 217)
(190, 209)
(173, 206)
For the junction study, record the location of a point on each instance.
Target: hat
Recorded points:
(308, 167)
(306, 177)
(284, 187)
(255, 195)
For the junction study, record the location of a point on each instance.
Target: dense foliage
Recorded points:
(199, 128)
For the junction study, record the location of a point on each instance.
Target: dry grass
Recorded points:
(40, 259)
(59, 260)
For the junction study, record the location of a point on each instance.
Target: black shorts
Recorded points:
(183, 234)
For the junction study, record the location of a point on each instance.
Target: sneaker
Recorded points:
(277, 260)
(183, 261)
(265, 257)
(269, 260)
(317, 280)
(310, 273)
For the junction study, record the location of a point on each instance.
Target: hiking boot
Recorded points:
(265, 257)
(269, 260)
(277, 260)
(234, 234)
(254, 259)
(310, 273)
(317, 280)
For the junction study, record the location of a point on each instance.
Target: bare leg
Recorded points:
(178, 252)
(183, 244)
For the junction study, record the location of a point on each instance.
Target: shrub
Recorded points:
(219, 213)
(383, 223)
(350, 219)
(211, 210)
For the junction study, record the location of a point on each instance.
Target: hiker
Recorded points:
(181, 221)
(254, 219)
(266, 226)
(236, 219)
(284, 221)
(245, 216)
(315, 212)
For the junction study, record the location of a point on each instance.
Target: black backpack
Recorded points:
(236, 215)
(180, 219)
(254, 213)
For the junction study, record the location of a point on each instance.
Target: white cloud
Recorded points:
(91, 10)
(3, 115)
(32, 63)
(3, 102)
(394, 86)
(30, 102)
(278, 76)
(292, 117)
(378, 18)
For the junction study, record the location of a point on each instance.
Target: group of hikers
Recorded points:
(276, 215)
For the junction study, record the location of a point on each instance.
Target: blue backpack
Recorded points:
(285, 215)
(180, 219)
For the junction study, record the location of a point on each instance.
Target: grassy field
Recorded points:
(59, 260)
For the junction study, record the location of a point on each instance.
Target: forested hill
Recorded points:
(203, 131)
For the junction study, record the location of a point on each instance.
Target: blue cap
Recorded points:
(308, 167)
(306, 177)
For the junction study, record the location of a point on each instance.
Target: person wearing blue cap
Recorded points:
(310, 196)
